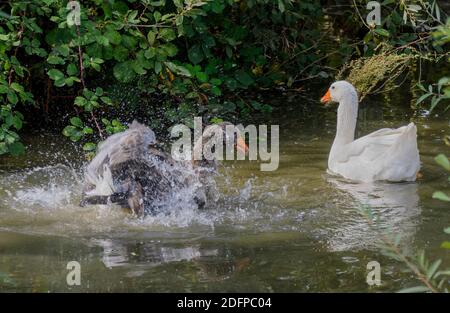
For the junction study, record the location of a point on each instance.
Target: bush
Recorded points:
(190, 53)
(168, 60)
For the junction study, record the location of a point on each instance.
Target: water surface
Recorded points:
(296, 229)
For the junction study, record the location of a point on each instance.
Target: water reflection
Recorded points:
(268, 232)
(394, 205)
(138, 258)
(121, 253)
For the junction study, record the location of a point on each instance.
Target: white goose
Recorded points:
(387, 154)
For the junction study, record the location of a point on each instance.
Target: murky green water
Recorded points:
(293, 230)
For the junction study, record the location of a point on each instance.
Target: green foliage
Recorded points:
(11, 91)
(202, 51)
(392, 49)
(7, 280)
(441, 90)
(444, 162)
(368, 73)
(429, 273)
(437, 93)
(402, 26)
(192, 57)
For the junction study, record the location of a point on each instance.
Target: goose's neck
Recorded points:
(197, 150)
(346, 119)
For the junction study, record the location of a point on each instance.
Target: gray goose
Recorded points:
(130, 170)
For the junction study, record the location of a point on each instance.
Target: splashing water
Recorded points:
(42, 188)
(297, 228)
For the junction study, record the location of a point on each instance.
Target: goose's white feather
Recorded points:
(386, 154)
(130, 144)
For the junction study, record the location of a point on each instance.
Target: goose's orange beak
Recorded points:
(241, 145)
(326, 98)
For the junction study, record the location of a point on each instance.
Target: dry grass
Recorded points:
(370, 75)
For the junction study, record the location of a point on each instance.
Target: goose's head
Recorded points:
(234, 138)
(339, 91)
(219, 134)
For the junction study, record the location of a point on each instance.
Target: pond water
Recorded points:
(296, 229)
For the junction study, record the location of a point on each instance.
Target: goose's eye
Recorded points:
(332, 87)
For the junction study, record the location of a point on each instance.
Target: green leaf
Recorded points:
(150, 53)
(129, 42)
(178, 3)
(95, 66)
(158, 67)
(70, 80)
(229, 52)
(170, 49)
(60, 82)
(120, 53)
(3, 148)
(16, 148)
(415, 289)
(216, 91)
(80, 101)
(89, 146)
(4, 89)
(216, 81)
(102, 40)
(76, 121)
(113, 36)
(107, 100)
(178, 69)
(53, 59)
(138, 68)
(443, 81)
(383, 32)
(157, 16)
(281, 6)
(151, 37)
(244, 78)
(55, 74)
(195, 54)
(124, 72)
(218, 7)
(443, 273)
(433, 268)
(88, 130)
(439, 195)
(69, 131)
(17, 122)
(64, 50)
(179, 21)
(445, 245)
(12, 97)
(423, 97)
(99, 91)
(72, 69)
(422, 87)
(167, 34)
(202, 77)
(443, 161)
(17, 87)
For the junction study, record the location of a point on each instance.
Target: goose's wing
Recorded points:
(374, 145)
(133, 144)
(116, 149)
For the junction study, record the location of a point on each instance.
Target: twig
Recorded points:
(360, 16)
(80, 57)
(393, 247)
(11, 71)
